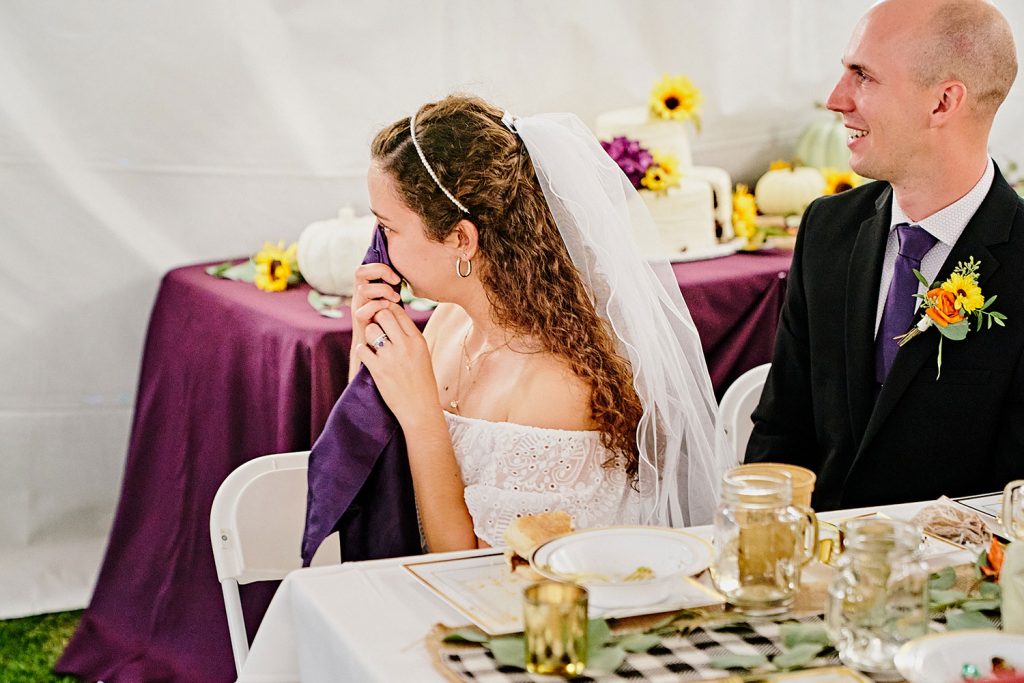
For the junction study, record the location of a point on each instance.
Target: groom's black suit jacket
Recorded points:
(923, 437)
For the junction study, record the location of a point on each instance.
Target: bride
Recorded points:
(561, 371)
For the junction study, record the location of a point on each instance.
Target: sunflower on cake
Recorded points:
(691, 205)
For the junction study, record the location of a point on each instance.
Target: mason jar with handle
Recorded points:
(1011, 576)
(878, 597)
(761, 542)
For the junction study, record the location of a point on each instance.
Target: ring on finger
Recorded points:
(380, 341)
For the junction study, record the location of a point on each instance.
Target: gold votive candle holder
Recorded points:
(555, 628)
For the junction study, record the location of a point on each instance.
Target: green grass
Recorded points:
(30, 646)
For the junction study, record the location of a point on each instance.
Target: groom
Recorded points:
(922, 82)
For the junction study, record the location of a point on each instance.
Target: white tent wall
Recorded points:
(140, 136)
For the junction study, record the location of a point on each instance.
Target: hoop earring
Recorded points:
(458, 267)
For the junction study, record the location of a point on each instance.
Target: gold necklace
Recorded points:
(454, 403)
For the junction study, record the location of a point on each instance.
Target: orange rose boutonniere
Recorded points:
(949, 306)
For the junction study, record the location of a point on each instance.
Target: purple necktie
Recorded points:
(898, 314)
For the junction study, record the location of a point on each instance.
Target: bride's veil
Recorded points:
(604, 222)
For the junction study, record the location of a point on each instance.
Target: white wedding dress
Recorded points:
(510, 470)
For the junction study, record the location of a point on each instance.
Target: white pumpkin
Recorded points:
(786, 191)
(823, 144)
(330, 251)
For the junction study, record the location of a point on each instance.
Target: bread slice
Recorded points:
(527, 532)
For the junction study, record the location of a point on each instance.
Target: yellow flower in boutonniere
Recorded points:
(275, 266)
(837, 181)
(950, 305)
(966, 290)
(662, 174)
(676, 98)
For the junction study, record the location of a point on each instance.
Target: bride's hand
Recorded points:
(373, 282)
(397, 357)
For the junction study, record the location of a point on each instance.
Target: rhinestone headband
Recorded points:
(430, 171)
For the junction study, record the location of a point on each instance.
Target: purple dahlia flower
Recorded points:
(633, 159)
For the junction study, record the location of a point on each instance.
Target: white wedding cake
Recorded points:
(665, 135)
(685, 215)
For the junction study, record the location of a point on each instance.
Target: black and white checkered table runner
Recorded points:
(676, 659)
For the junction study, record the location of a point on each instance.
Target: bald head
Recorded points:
(960, 40)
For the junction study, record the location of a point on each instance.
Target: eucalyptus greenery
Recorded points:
(229, 270)
(963, 610)
(325, 304)
(801, 643)
(605, 652)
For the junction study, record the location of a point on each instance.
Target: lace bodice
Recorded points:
(510, 470)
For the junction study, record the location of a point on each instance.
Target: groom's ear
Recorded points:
(464, 238)
(952, 98)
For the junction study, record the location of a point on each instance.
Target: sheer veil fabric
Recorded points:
(605, 226)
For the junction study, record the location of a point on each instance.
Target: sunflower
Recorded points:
(744, 213)
(275, 266)
(837, 181)
(966, 290)
(662, 174)
(676, 98)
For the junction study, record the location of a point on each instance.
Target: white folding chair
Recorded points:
(256, 525)
(738, 403)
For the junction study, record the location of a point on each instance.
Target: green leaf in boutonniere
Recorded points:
(956, 331)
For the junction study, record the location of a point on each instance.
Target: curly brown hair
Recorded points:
(531, 283)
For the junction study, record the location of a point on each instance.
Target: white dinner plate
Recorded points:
(483, 589)
(623, 566)
(703, 253)
(938, 658)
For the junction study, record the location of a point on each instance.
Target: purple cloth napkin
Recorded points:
(359, 479)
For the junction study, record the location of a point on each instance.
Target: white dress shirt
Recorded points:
(945, 225)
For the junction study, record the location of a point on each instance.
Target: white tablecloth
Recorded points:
(366, 621)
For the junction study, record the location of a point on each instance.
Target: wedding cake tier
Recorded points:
(665, 135)
(671, 137)
(683, 216)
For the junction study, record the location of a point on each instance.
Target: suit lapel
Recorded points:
(862, 281)
(990, 225)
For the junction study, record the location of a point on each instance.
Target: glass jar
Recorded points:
(761, 542)
(878, 597)
(555, 628)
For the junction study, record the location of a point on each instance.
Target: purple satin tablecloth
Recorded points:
(230, 373)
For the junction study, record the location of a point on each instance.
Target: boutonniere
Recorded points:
(950, 305)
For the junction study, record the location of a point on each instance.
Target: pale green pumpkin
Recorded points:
(823, 144)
